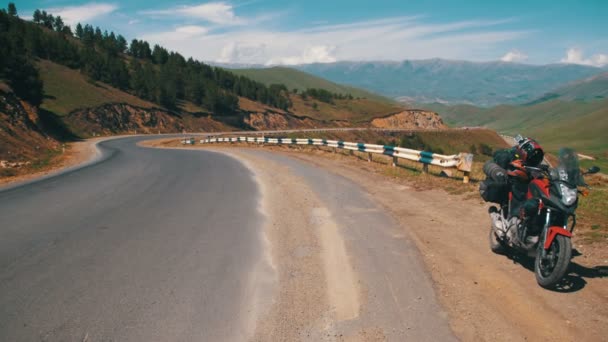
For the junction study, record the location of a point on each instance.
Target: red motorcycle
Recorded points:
(546, 234)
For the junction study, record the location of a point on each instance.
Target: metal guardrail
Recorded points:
(461, 162)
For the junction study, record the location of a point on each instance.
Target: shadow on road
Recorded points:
(575, 279)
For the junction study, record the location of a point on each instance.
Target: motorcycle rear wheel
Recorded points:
(550, 270)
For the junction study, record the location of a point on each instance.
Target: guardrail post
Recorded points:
(351, 152)
(369, 157)
(395, 161)
(425, 168)
(465, 179)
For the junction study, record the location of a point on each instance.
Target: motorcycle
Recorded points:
(546, 234)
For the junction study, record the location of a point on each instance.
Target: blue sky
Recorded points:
(291, 32)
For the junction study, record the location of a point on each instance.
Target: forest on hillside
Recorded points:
(151, 73)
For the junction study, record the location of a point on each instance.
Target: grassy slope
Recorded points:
(580, 124)
(588, 89)
(67, 89)
(295, 79)
(358, 110)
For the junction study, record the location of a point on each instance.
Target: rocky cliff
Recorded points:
(21, 137)
(407, 119)
(277, 121)
(410, 119)
(115, 118)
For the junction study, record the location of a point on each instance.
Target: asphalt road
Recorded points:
(144, 245)
(171, 245)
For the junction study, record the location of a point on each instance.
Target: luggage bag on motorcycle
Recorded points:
(493, 191)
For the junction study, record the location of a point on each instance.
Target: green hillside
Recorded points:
(295, 79)
(355, 111)
(556, 123)
(592, 88)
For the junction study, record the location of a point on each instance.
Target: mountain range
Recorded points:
(483, 84)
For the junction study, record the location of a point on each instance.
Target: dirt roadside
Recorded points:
(487, 296)
(75, 153)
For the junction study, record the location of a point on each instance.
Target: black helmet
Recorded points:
(530, 152)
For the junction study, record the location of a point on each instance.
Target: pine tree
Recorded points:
(121, 44)
(150, 81)
(134, 48)
(12, 9)
(79, 31)
(159, 55)
(67, 30)
(98, 37)
(25, 81)
(48, 20)
(138, 80)
(58, 24)
(145, 51)
(88, 36)
(37, 16)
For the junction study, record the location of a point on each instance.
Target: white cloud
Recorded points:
(514, 56)
(191, 30)
(575, 56)
(72, 15)
(180, 34)
(241, 52)
(395, 38)
(313, 54)
(215, 12)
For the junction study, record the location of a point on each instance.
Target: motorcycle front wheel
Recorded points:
(552, 268)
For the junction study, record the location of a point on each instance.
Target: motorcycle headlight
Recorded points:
(569, 195)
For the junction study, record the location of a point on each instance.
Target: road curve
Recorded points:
(179, 245)
(145, 245)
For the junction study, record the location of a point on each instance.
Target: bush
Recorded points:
(485, 149)
(7, 173)
(414, 142)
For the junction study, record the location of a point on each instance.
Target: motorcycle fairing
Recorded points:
(538, 188)
(552, 232)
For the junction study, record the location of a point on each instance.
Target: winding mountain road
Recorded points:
(179, 245)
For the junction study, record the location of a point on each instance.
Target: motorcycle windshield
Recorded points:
(569, 169)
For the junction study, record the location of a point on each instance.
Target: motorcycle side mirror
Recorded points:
(592, 170)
